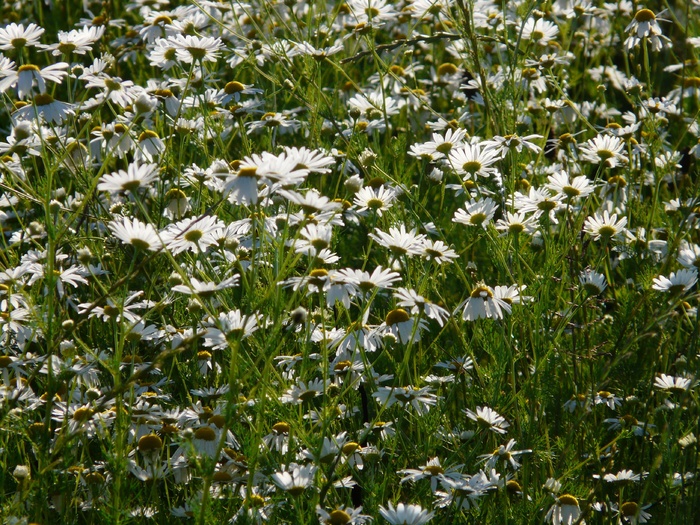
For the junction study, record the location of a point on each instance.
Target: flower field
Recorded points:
(349, 262)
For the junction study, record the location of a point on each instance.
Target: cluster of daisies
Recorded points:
(262, 273)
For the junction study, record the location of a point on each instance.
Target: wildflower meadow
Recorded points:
(349, 261)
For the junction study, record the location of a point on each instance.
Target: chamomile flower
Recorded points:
(405, 514)
(421, 399)
(26, 76)
(435, 472)
(16, 36)
(623, 476)
(149, 147)
(343, 515)
(605, 226)
(516, 223)
(539, 31)
(419, 304)
(631, 512)
(195, 234)
(540, 202)
(367, 283)
(135, 177)
(472, 160)
(678, 384)
(441, 145)
(303, 391)
(629, 423)
(476, 212)
(379, 200)
(295, 479)
(78, 41)
(404, 328)
(604, 149)
(195, 49)
(645, 25)
(205, 289)
(139, 234)
(579, 187)
(483, 303)
(565, 511)
(504, 453)
(399, 241)
(501, 145)
(676, 283)
(603, 397)
(235, 324)
(438, 251)
(593, 283)
(689, 256)
(489, 419)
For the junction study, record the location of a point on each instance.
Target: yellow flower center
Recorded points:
(481, 292)
(568, 499)
(205, 434)
(645, 15)
(281, 428)
(399, 315)
(150, 443)
(338, 517)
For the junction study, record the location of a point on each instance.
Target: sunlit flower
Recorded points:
(421, 399)
(28, 75)
(190, 48)
(482, 303)
(645, 25)
(435, 472)
(504, 453)
(605, 226)
(676, 384)
(539, 31)
(489, 419)
(604, 149)
(405, 514)
(565, 511)
(295, 479)
(472, 160)
(476, 212)
(16, 36)
(195, 234)
(135, 177)
(592, 282)
(374, 200)
(399, 241)
(678, 282)
(139, 234)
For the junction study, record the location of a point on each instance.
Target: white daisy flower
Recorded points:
(16, 36)
(405, 514)
(673, 383)
(488, 418)
(295, 479)
(680, 281)
(135, 177)
(476, 212)
(376, 200)
(565, 511)
(139, 234)
(471, 160)
(593, 283)
(483, 303)
(605, 149)
(605, 226)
